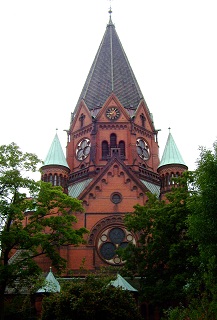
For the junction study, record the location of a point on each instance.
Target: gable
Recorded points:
(82, 118)
(112, 110)
(116, 189)
(143, 117)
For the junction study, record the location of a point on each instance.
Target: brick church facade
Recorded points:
(112, 158)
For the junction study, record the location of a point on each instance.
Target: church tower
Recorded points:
(112, 156)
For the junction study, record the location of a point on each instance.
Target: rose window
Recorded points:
(142, 149)
(112, 239)
(83, 149)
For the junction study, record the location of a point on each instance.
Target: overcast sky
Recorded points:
(47, 48)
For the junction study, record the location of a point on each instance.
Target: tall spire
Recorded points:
(110, 73)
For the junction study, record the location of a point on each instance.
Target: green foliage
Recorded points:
(202, 227)
(163, 258)
(203, 204)
(90, 299)
(21, 307)
(197, 309)
(35, 219)
(201, 288)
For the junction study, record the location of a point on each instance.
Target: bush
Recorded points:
(90, 300)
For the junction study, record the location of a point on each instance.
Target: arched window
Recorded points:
(113, 140)
(105, 149)
(55, 180)
(51, 179)
(142, 117)
(122, 148)
(82, 119)
(162, 181)
(167, 180)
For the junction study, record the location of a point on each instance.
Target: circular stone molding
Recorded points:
(142, 149)
(83, 149)
(116, 197)
(110, 240)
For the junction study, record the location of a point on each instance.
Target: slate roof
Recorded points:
(110, 73)
(55, 154)
(171, 154)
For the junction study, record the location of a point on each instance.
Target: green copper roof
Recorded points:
(75, 190)
(171, 154)
(120, 282)
(55, 155)
(153, 188)
(110, 73)
(51, 284)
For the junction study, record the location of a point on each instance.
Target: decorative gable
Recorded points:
(114, 190)
(112, 110)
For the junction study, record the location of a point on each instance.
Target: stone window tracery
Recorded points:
(110, 240)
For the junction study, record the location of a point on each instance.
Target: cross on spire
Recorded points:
(110, 10)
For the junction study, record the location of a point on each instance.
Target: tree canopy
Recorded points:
(177, 252)
(162, 258)
(35, 218)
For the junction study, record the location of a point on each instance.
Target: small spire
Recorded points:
(169, 129)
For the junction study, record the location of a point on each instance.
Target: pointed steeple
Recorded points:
(110, 73)
(55, 154)
(171, 154)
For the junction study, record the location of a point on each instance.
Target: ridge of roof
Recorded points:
(171, 154)
(110, 72)
(55, 154)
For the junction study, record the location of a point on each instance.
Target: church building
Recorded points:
(112, 157)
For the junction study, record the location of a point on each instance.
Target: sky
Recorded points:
(47, 48)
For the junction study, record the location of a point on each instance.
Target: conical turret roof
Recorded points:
(110, 73)
(55, 154)
(171, 154)
(51, 284)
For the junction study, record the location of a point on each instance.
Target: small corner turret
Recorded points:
(171, 165)
(55, 168)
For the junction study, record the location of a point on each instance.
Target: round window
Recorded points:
(83, 149)
(110, 240)
(142, 149)
(116, 198)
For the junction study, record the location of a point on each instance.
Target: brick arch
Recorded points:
(101, 224)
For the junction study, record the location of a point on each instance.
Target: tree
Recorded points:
(163, 257)
(90, 299)
(49, 214)
(201, 287)
(202, 227)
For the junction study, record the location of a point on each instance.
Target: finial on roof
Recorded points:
(169, 129)
(50, 269)
(56, 129)
(110, 13)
